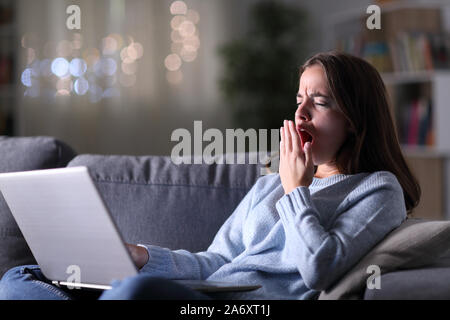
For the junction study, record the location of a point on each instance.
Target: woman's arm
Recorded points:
(181, 264)
(323, 256)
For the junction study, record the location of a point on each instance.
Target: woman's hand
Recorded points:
(296, 165)
(139, 255)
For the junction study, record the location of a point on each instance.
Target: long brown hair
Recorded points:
(372, 144)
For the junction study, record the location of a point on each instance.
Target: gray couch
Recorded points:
(182, 206)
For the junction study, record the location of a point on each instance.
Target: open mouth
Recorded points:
(305, 137)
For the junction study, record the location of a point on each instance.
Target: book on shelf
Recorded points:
(412, 39)
(416, 127)
(375, 52)
(404, 52)
(418, 51)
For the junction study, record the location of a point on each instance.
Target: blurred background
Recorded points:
(136, 70)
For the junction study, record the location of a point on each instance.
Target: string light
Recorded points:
(69, 68)
(185, 40)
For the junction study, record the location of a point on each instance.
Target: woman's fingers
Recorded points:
(295, 138)
(288, 138)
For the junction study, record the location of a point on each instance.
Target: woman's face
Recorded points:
(318, 114)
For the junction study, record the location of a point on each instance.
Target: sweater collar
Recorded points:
(323, 182)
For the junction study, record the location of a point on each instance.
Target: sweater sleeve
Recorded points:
(367, 215)
(182, 264)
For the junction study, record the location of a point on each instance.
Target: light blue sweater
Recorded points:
(294, 245)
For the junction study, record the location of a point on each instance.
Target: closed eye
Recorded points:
(316, 103)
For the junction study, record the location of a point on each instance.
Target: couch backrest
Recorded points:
(22, 154)
(154, 201)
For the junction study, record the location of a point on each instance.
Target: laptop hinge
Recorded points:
(75, 285)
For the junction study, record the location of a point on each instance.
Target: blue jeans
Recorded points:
(28, 283)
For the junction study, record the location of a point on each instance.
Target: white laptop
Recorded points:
(70, 231)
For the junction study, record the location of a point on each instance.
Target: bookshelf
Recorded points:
(412, 54)
(8, 43)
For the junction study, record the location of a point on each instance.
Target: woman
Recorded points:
(342, 186)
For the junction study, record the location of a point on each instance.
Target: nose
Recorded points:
(302, 112)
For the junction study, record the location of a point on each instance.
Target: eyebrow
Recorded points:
(314, 94)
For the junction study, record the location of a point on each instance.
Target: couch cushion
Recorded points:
(414, 244)
(154, 201)
(415, 284)
(22, 154)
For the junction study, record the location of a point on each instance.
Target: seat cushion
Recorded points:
(154, 201)
(23, 154)
(414, 244)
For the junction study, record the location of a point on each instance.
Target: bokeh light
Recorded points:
(60, 67)
(26, 77)
(109, 66)
(135, 51)
(81, 86)
(176, 22)
(187, 29)
(185, 40)
(77, 67)
(178, 7)
(67, 68)
(172, 62)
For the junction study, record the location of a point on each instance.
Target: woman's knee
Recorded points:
(12, 278)
(28, 282)
(17, 273)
